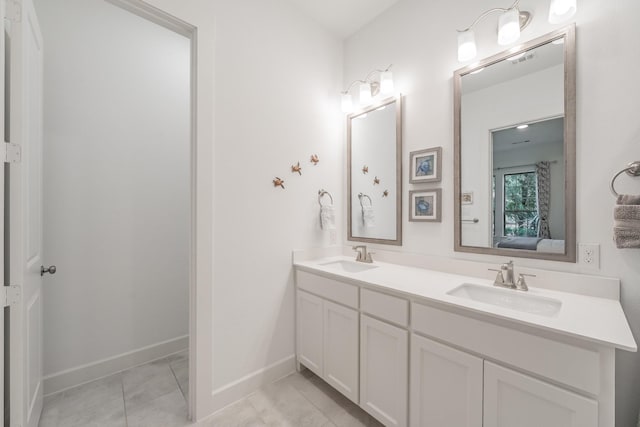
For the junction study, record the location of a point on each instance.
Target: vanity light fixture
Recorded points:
(561, 10)
(510, 23)
(369, 88)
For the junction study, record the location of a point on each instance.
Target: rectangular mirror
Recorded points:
(514, 129)
(374, 181)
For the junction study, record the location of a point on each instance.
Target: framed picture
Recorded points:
(467, 198)
(426, 165)
(425, 205)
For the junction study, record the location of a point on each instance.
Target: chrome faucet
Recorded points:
(505, 278)
(363, 255)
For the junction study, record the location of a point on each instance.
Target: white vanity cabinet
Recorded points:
(341, 349)
(446, 385)
(412, 361)
(327, 334)
(309, 328)
(512, 398)
(491, 395)
(383, 371)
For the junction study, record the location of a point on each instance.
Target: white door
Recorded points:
(446, 385)
(341, 349)
(514, 399)
(25, 213)
(309, 332)
(383, 371)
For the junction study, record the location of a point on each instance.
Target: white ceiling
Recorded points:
(343, 17)
(543, 132)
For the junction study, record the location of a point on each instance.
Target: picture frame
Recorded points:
(467, 198)
(425, 165)
(425, 205)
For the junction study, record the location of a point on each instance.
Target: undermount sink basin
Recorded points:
(508, 298)
(349, 266)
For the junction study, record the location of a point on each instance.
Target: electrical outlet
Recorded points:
(333, 237)
(589, 254)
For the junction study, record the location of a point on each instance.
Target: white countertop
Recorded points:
(599, 320)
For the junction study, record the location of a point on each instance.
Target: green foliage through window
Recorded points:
(520, 205)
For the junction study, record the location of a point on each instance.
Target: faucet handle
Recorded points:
(521, 284)
(499, 277)
(369, 259)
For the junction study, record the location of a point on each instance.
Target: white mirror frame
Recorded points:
(569, 35)
(398, 188)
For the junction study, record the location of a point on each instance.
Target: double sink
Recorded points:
(505, 298)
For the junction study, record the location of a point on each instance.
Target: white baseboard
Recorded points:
(60, 381)
(248, 384)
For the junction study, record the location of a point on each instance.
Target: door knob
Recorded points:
(50, 270)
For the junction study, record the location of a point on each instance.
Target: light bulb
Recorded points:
(347, 103)
(466, 46)
(509, 27)
(561, 10)
(386, 83)
(365, 94)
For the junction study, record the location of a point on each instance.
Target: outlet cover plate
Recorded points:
(589, 255)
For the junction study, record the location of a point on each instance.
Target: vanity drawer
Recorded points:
(393, 309)
(330, 289)
(571, 365)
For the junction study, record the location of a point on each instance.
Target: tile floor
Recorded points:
(154, 395)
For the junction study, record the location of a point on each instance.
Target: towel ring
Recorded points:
(362, 196)
(632, 169)
(321, 194)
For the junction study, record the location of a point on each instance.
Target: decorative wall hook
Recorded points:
(365, 169)
(277, 182)
(376, 181)
(314, 159)
(385, 193)
(296, 168)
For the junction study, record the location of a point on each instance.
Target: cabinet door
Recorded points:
(446, 386)
(514, 399)
(383, 371)
(309, 332)
(341, 349)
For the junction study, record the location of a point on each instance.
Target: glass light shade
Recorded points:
(509, 27)
(386, 83)
(466, 46)
(365, 94)
(347, 103)
(561, 10)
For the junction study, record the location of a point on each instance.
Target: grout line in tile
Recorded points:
(313, 404)
(124, 404)
(175, 377)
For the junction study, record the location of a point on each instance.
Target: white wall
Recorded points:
(544, 95)
(419, 38)
(278, 79)
(116, 182)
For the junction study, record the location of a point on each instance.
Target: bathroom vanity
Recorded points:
(418, 347)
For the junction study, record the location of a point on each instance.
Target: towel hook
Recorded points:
(632, 169)
(321, 194)
(362, 196)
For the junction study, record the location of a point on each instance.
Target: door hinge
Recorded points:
(10, 295)
(12, 153)
(14, 11)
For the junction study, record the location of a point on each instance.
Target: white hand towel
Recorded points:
(327, 218)
(368, 217)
